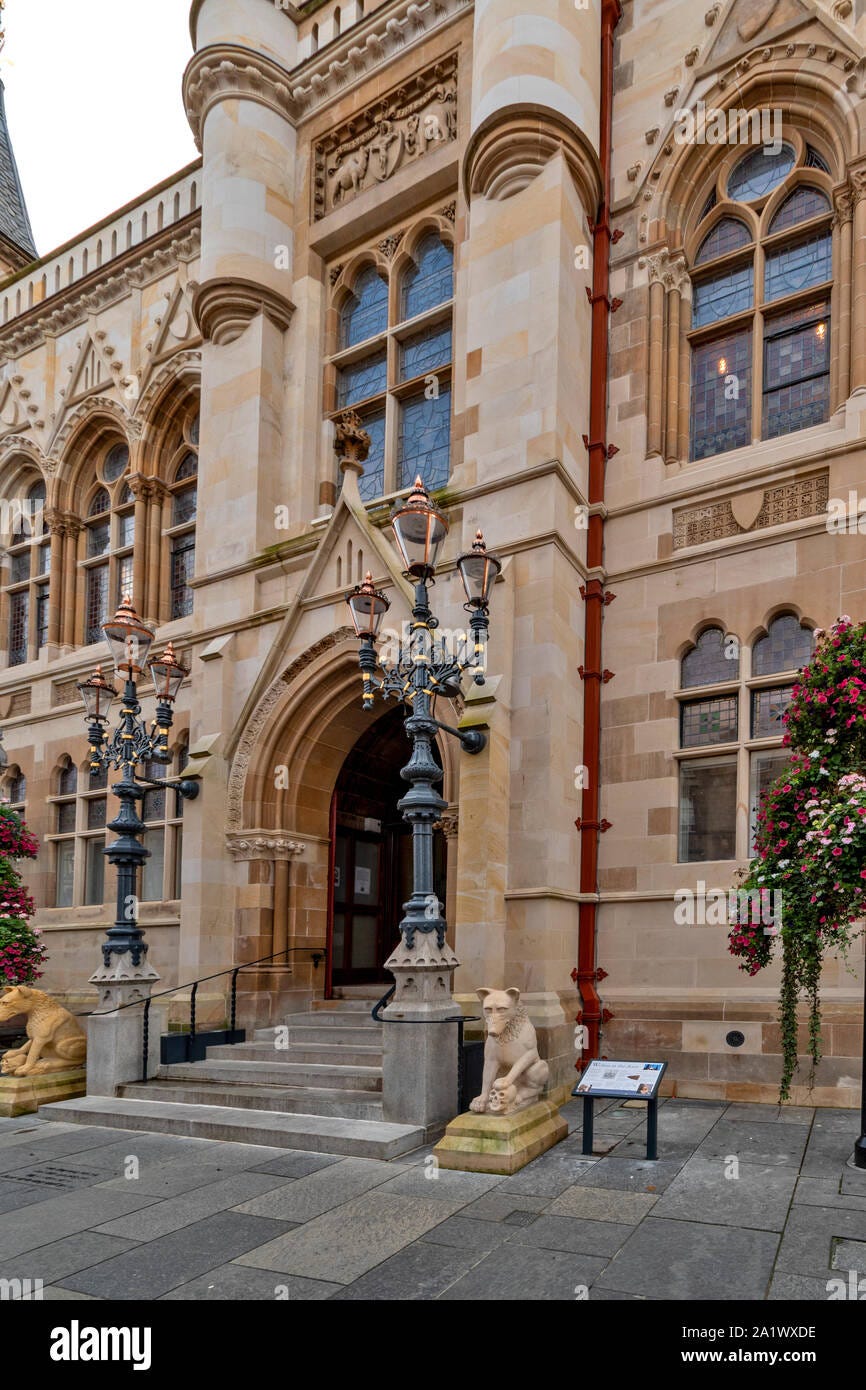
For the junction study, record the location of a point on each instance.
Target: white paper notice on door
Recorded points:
(362, 882)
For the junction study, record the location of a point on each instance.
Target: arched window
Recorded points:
(731, 735)
(183, 501)
(64, 833)
(15, 789)
(26, 586)
(760, 336)
(110, 539)
(80, 809)
(400, 383)
(162, 812)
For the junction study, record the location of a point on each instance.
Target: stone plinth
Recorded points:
(500, 1143)
(21, 1095)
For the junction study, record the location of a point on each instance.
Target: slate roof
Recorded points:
(14, 222)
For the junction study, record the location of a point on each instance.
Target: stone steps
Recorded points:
(343, 1037)
(271, 1070)
(312, 1133)
(293, 1100)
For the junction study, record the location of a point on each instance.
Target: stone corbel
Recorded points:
(224, 307)
(225, 72)
(512, 146)
(252, 846)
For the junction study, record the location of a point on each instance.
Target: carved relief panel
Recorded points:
(416, 119)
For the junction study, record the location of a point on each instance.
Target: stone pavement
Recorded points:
(745, 1202)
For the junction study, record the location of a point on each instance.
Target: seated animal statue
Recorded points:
(514, 1074)
(55, 1040)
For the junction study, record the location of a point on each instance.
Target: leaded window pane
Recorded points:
(116, 463)
(94, 872)
(814, 160)
(154, 804)
(365, 312)
(44, 558)
(372, 481)
(708, 663)
(101, 503)
(64, 872)
(152, 873)
(768, 706)
(786, 647)
(708, 809)
(20, 567)
(96, 813)
(67, 783)
(65, 817)
(799, 206)
(728, 235)
(99, 539)
(182, 570)
(760, 172)
(708, 206)
(424, 351)
(723, 295)
(126, 529)
(721, 394)
(187, 468)
(97, 603)
(17, 790)
(41, 616)
(792, 268)
(184, 506)
(424, 440)
(97, 779)
(124, 578)
(369, 377)
(430, 281)
(704, 722)
(178, 860)
(796, 371)
(192, 430)
(19, 609)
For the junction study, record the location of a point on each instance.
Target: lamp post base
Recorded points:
(859, 1155)
(115, 1033)
(420, 1055)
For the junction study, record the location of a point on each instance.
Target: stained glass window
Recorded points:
(116, 463)
(124, 577)
(99, 539)
(708, 205)
(94, 870)
(760, 172)
(187, 468)
(184, 506)
(101, 503)
(814, 160)
(424, 440)
(792, 268)
(728, 235)
(65, 816)
(64, 869)
(708, 721)
(19, 608)
(768, 706)
(20, 567)
(799, 206)
(369, 377)
(796, 370)
(182, 570)
(721, 394)
(786, 647)
(126, 529)
(722, 295)
(67, 781)
(710, 661)
(192, 431)
(372, 482)
(766, 768)
(424, 351)
(41, 616)
(365, 312)
(16, 791)
(96, 603)
(430, 281)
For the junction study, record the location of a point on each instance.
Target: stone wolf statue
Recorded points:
(56, 1041)
(514, 1074)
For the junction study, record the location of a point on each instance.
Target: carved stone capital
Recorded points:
(224, 307)
(858, 185)
(513, 145)
(229, 72)
(140, 487)
(843, 206)
(449, 823)
(54, 521)
(267, 846)
(351, 441)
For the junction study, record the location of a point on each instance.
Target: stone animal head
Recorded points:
(499, 1007)
(18, 1000)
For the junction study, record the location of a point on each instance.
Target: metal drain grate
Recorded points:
(55, 1177)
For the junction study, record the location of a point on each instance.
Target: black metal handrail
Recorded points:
(319, 953)
(460, 1019)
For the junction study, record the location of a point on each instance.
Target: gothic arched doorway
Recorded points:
(371, 854)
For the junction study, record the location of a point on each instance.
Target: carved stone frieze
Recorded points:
(784, 502)
(398, 129)
(249, 845)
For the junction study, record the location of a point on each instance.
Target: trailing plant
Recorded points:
(21, 951)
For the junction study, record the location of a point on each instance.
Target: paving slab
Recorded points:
(849, 1254)
(603, 1204)
(528, 1274)
(420, 1271)
(52, 1263)
(465, 1233)
(341, 1245)
(303, 1199)
(441, 1184)
(798, 1288)
(175, 1177)
(233, 1282)
(631, 1171)
(773, 1114)
(827, 1152)
(496, 1206)
(150, 1270)
(758, 1197)
(189, 1207)
(297, 1165)
(810, 1235)
(827, 1192)
(15, 1195)
(549, 1175)
(572, 1233)
(691, 1261)
(767, 1144)
(61, 1216)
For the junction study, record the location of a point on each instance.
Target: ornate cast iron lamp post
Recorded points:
(131, 743)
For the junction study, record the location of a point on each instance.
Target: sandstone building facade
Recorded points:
(597, 272)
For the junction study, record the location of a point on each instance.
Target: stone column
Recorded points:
(449, 825)
(71, 532)
(655, 383)
(55, 523)
(685, 418)
(281, 910)
(842, 326)
(115, 1030)
(858, 308)
(140, 489)
(674, 278)
(156, 603)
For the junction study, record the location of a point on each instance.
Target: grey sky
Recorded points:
(93, 97)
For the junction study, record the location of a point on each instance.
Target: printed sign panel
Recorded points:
(632, 1080)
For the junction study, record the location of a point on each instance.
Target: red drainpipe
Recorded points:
(586, 975)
